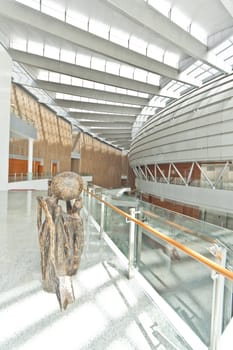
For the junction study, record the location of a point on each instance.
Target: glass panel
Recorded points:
(117, 229)
(185, 284)
(53, 9)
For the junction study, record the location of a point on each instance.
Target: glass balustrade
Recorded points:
(185, 284)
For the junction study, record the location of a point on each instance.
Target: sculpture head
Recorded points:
(66, 185)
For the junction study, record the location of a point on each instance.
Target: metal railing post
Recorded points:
(139, 240)
(217, 302)
(89, 202)
(102, 215)
(131, 244)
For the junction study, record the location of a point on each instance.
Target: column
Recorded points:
(30, 157)
(5, 91)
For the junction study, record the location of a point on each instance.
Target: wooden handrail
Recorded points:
(180, 227)
(211, 264)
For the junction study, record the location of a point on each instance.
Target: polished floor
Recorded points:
(110, 312)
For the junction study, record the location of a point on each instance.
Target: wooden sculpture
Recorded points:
(61, 236)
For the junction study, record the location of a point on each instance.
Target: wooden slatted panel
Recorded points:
(54, 134)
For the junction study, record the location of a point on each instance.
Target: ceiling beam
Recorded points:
(148, 17)
(109, 124)
(91, 93)
(111, 133)
(52, 26)
(228, 6)
(76, 71)
(98, 107)
(82, 116)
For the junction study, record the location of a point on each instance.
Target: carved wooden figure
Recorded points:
(61, 235)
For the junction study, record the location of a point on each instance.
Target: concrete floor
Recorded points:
(110, 311)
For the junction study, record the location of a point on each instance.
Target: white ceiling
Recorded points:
(115, 59)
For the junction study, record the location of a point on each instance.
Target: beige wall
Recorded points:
(105, 163)
(54, 134)
(55, 143)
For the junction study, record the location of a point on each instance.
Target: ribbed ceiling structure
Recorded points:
(109, 65)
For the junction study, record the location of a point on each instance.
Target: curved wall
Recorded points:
(187, 146)
(198, 127)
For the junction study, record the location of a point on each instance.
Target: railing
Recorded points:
(184, 259)
(14, 177)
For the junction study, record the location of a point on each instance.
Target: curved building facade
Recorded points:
(185, 153)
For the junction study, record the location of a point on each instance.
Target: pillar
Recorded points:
(5, 92)
(30, 157)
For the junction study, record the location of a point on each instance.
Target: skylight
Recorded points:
(201, 71)
(225, 51)
(31, 3)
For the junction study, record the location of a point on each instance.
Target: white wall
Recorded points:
(5, 88)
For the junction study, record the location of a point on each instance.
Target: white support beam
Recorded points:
(98, 107)
(147, 16)
(76, 71)
(112, 135)
(103, 117)
(91, 93)
(54, 27)
(228, 4)
(104, 124)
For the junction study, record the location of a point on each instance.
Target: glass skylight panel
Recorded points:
(196, 72)
(132, 93)
(181, 88)
(31, 3)
(228, 52)
(43, 75)
(230, 60)
(35, 47)
(77, 19)
(98, 28)
(76, 81)
(222, 47)
(110, 88)
(142, 94)
(88, 84)
(162, 6)
(140, 74)
(55, 77)
(147, 111)
(153, 79)
(119, 37)
(83, 60)
(171, 59)
(213, 71)
(180, 19)
(121, 91)
(170, 85)
(204, 75)
(51, 52)
(53, 8)
(65, 79)
(67, 56)
(59, 95)
(137, 45)
(198, 32)
(155, 52)
(112, 67)
(126, 71)
(18, 43)
(99, 86)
